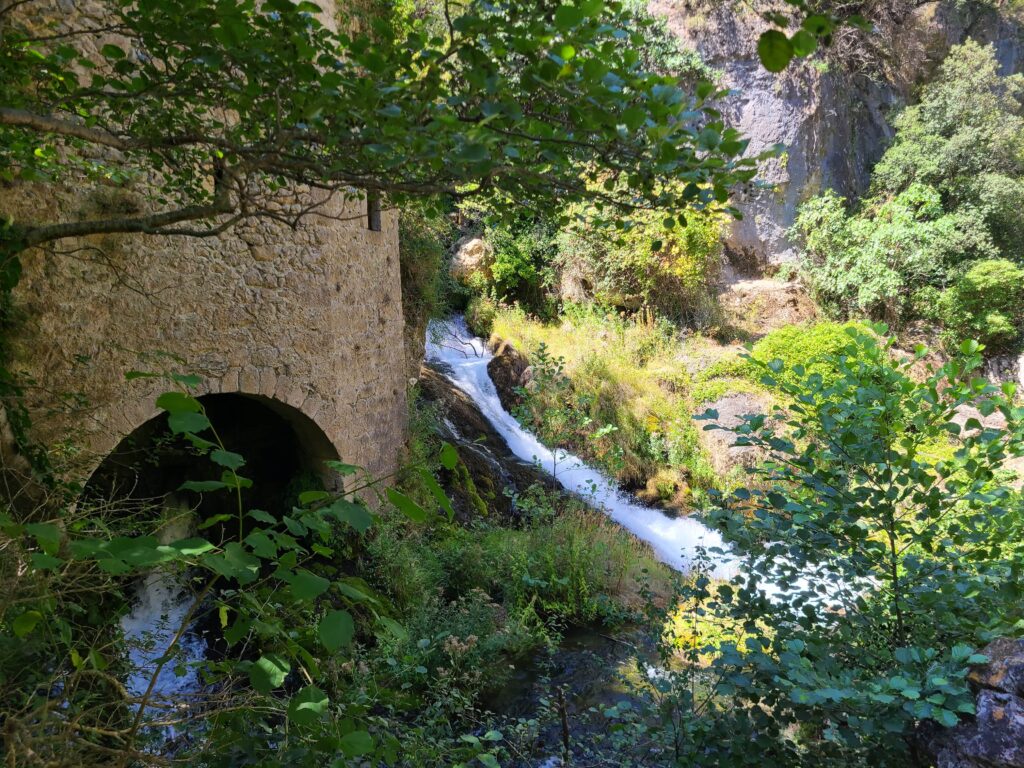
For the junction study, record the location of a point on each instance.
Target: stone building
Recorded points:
(304, 323)
(306, 320)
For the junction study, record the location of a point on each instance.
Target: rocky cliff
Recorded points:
(831, 113)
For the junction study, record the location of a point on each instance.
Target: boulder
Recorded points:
(509, 370)
(756, 306)
(995, 737)
(473, 256)
(720, 444)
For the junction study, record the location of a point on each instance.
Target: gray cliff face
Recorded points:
(833, 123)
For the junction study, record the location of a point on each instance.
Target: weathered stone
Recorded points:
(756, 307)
(720, 444)
(994, 738)
(472, 256)
(1005, 668)
(507, 370)
(833, 120)
(485, 454)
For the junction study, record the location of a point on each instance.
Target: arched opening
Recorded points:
(285, 453)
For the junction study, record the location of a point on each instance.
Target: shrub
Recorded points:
(947, 192)
(886, 558)
(816, 348)
(986, 302)
(480, 314)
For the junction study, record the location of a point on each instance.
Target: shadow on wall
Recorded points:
(284, 451)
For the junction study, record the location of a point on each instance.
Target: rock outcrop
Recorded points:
(486, 457)
(831, 113)
(473, 256)
(720, 444)
(995, 737)
(509, 369)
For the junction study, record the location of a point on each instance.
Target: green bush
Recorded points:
(480, 314)
(423, 243)
(891, 554)
(947, 192)
(986, 303)
(814, 347)
(670, 270)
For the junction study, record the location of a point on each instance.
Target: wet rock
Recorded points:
(485, 457)
(509, 369)
(473, 256)
(995, 737)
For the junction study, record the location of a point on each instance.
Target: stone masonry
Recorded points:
(310, 317)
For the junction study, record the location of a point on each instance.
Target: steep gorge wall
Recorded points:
(834, 123)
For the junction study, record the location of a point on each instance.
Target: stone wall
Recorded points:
(310, 317)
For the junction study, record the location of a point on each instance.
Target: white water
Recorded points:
(463, 359)
(162, 605)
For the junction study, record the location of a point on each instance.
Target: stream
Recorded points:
(462, 358)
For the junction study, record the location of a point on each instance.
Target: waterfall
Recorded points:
(162, 603)
(463, 359)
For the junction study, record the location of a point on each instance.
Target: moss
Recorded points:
(464, 485)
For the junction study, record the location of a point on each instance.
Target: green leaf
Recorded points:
(489, 760)
(43, 562)
(804, 43)
(187, 421)
(227, 459)
(449, 456)
(307, 706)
(568, 16)
(407, 506)
(308, 586)
(312, 497)
(438, 493)
(202, 486)
(351, 513)
(342, 468)
(178, 402)
(269, 672)
(774, 50)
(111, 51)
(192, 547)
(47, 536)
(336, 630)
(26, 622)
(356, 744)
(187, 379)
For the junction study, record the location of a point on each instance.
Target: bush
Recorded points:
(947, 192)
(669, 270)
(876, 560)
(986, 302)
(480, 314)
(816, 348)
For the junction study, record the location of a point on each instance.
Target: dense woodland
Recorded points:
(565, 177)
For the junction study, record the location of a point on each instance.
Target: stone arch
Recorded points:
(284, 448)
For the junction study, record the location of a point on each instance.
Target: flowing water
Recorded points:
(463, 359)
(162, 605)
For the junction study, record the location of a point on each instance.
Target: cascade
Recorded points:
(463, 358)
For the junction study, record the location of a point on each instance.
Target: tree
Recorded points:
(944, 196)
(884, 546)
(221, 107)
